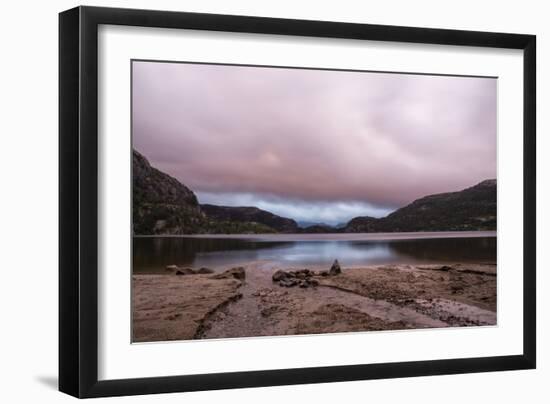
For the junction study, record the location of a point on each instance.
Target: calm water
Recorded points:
(152, 254)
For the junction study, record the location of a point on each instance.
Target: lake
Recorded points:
(151, 254)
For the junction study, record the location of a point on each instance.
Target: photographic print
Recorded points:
(272, 201)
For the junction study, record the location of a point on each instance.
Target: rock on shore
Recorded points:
(236, 273)
(303, 278)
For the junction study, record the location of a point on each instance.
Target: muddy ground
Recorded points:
(389, 297)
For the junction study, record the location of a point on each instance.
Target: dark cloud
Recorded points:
(314, 136)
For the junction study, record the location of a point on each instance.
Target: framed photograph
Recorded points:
(249, 201)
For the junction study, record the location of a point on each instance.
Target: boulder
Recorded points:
(335, 268)
(279, 275)
(303, 273)
(237, 273)
(288, 282)
(301, 277)
(185, 271)
(205, 271)
(171, 268)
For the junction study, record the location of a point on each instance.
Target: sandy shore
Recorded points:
(388, 297)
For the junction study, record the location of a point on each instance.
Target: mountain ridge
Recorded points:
(163, 205)
(473, 208)
(250, 214)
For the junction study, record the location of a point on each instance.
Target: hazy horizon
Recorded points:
(312, 145)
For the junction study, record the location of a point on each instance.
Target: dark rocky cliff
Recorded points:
(161, 204)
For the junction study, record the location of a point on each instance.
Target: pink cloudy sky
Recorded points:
(314, 145)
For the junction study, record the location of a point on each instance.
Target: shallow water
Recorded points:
(152, 254)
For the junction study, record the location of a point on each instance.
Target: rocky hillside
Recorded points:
(163, 205)
(250, 214)
(473, 208)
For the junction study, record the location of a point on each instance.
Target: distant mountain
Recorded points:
(362, 224)
(303, 224)
(473, 208)
(320, 228)
(250, 214)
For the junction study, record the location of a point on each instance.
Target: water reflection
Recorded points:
(450, 249)
(152, 254)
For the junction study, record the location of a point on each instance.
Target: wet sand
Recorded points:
(382, 297)
(172, 307)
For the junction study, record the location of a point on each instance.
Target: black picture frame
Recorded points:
(78, 201)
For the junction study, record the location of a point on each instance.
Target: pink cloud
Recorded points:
(383, 139)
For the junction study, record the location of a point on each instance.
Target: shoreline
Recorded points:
(361, 298)
(334, 236)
